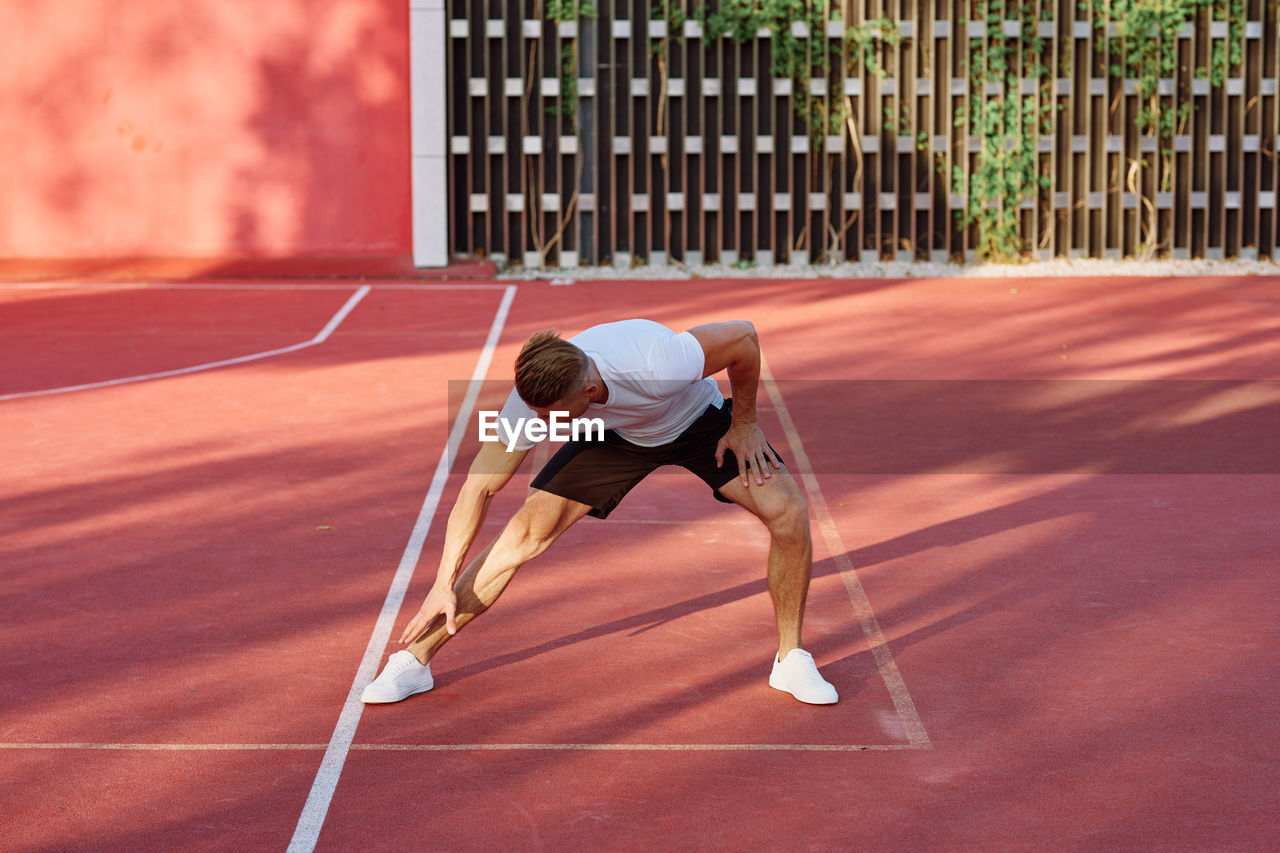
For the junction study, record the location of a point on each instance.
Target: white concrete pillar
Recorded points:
(428, 32)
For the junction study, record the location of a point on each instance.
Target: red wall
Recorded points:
(203, 128)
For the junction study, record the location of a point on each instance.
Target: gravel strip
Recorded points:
(1058, 268)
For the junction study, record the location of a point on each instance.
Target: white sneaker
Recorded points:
(798, 675)
(402, 677)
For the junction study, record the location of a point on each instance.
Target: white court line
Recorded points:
(313, 813)
(321, 337)
(473, 747)
(906, 708)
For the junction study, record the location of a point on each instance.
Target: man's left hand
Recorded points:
(752, 451)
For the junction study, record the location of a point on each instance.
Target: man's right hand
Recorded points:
(440, 600)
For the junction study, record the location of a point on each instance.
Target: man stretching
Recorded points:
(654, 392)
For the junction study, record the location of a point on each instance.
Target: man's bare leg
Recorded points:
(533, 528)
(781, 506)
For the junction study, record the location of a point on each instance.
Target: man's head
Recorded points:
(552, 375)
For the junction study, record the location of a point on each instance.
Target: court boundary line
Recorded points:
(471, 747)
(311, 821)
(885, 664)
(319, 338)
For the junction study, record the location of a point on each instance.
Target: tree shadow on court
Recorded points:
(1129, 543)
(1095, 660)
(1080, 608)
(876, 333)
(1060, 690)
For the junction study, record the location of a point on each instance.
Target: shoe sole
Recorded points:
(798, 698)
(393, 701)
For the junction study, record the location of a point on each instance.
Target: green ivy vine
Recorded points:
(1008, 123)
(672, 13)
(560, 12)
(803, 53)
(1145, 49)
(1010, 106)
(1146, 31)
(557, 12)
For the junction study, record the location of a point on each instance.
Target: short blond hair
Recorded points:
(548, 369)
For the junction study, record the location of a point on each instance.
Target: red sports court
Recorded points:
(1050, 612)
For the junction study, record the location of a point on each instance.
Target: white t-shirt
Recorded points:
(654, 377)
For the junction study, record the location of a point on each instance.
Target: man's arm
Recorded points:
(491, 470)
(734, 346)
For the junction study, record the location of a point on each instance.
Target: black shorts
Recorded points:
(600, 473)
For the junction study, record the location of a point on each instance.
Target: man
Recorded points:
(654, 392)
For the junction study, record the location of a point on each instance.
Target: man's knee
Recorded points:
(524, 539)
(790, 522)
(534, 526)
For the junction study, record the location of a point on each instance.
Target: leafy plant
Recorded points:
(1145, 49)
(1010, 105)
(801, 52)
(559, 12)
(1146, 35)
(1008, 123)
